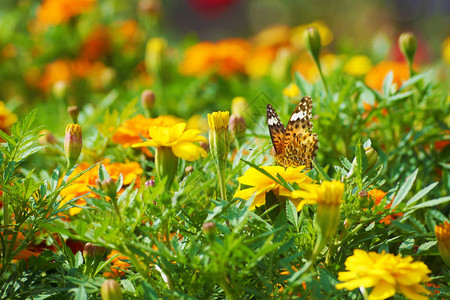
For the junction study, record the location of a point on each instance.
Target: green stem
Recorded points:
(317, 62)
(222, 180)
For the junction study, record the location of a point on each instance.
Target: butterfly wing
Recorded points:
(300, 144)
(276, 129)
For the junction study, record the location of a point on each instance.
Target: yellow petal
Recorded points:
(192, 135)
(245, 194)
(414, 291)
(188, 151)
(382, 290)
(356, 283)
(149, 143)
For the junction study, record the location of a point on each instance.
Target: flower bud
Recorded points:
(150, 183)
(46, 138)
(239, 106)
(443, 238)
(148, 101)
(372, 158)
(209, 229)
(219, 144)
(91, 250)
(110, 290)
(73, 142)
(311, 39)
(73, 112)
(237, 128)
(109, 187)
(188, 170)
(153, 54)
(408, 45)
(149, 7)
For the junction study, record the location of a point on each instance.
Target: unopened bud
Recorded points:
(237, 128)
(110, 290)
(91, 250)
(363, 194)
(148, 101)
(372, 158)
(188, 170)
(408, 45)
(209, 229)
(59, 89)
(73, 143)
(109, 187)
(150, 183)
(311, 39)
(46, 138)
(73, 112)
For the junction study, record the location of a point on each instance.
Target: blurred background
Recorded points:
(91, 53)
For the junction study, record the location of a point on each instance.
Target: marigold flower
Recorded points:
(130, 171)
(378, 195)
(386, 273)
(118, 265)
(259, 184)
(446, 50)
(54, 12)
(358, 65)
(443, 237)
(7, 118)
(225, 57)
(96, 44)
(329, 197)
(326, 36)
(181, 141)
(375, 78)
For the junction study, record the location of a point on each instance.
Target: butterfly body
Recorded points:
(294, 145)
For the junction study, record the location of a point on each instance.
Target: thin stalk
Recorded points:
(317, 62)
(222, 180)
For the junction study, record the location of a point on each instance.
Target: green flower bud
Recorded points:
(408, 45)
(73, 112)
(109, 187)
(372, 158)
(73, 142)
(311, 39)
(110, 290)
(209, 229)
(239, 107)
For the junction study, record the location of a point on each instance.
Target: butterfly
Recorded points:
(294, 145)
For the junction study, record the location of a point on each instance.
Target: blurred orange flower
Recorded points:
(118, 264)
(97, 43)
(375, 77)
(225, 57)
(54, 12)
(378, 195)
(130, 171)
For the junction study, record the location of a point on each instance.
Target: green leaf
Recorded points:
(321, 171)
(345, 162)
(404, 189)
(414, 79)
(407, 244)
(7, 138)
(426, 246)
(400, 96)
(421, 194)
(302, 84)
(431, 203)
(387, 83)
(149, 291)
(291, 213)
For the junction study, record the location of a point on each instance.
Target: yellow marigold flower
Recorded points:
(259, 63)
(181, 141)
(446, 51)
(153, 53)
(54, 12)
(443, 237)
(273, 36)
(7, 118)
(386, 273)
(358, 65)
(291, 91)
(259, 184)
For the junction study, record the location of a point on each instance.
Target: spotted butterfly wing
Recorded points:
(299, 145)
(276, 129)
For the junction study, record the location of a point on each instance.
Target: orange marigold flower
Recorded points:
(225, 57)
(59, 70)
(130, 171)
(54, 12)
(98, 43)
(378, 195)
(118, 264)
(375, 78)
